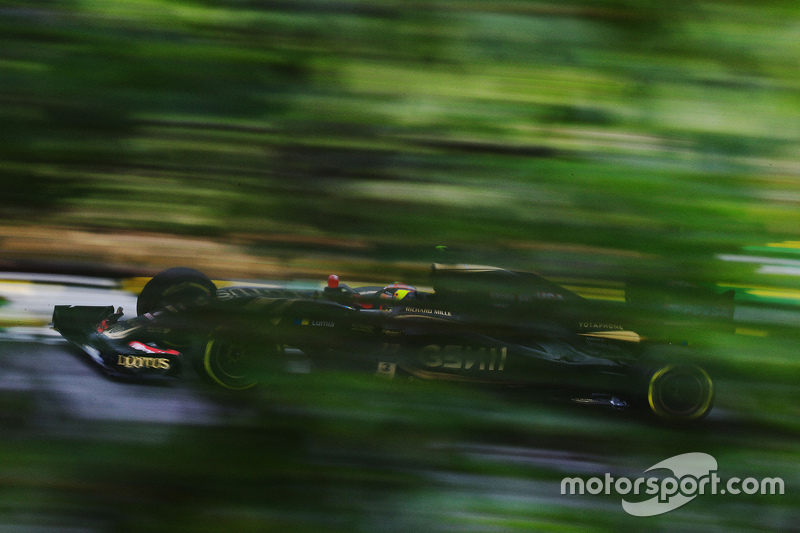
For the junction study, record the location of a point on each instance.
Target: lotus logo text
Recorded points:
(134, 361)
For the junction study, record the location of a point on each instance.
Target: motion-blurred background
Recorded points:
(291, 139)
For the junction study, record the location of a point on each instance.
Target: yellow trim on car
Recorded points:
(627, 336)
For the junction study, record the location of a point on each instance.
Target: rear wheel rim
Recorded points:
(227, 364)
(680, 392)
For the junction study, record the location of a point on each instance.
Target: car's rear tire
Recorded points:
(174, 286)
(679, 392)
(234, 364)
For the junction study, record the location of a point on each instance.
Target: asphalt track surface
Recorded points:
(68, 386)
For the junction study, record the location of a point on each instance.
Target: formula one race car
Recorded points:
(480, 325)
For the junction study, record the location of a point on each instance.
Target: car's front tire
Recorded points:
(174, 286)
(236, 365)
(679, 392)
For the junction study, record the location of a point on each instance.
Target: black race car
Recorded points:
(481, 325)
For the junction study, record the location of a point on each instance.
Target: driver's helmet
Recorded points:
(398, 291)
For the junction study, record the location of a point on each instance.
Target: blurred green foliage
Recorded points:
(625, 125)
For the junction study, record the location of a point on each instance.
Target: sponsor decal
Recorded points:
(464, 358)
(600, 326)
(314, 323)
(426, 311)
(135, 361)
(692, 474)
